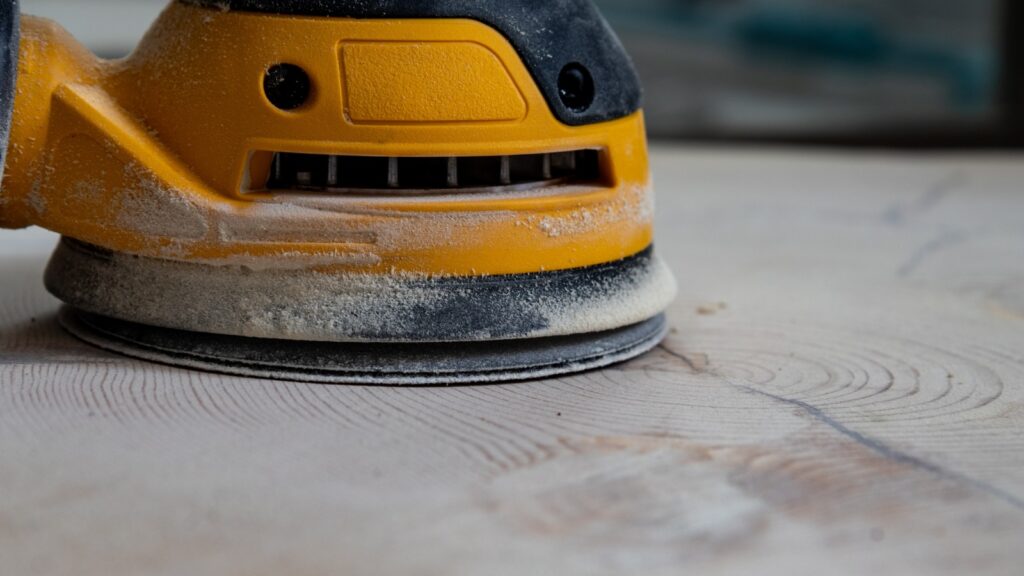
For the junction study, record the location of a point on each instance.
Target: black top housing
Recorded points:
(549, 35)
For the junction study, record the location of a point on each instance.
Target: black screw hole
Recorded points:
(287, 86)
(576, 87)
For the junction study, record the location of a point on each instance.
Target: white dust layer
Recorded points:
(315, 306)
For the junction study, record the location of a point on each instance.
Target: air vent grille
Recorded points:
(312, 172)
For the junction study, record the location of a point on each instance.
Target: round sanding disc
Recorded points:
(358, 363)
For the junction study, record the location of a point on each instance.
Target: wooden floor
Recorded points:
(842, 393)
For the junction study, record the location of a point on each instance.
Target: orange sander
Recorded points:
(381, 192)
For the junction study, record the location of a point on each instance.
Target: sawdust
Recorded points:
(288, 261)
(152, 209)
(308, 305)
(646, 293)
(36, 200)
(711, 309)
(634, 204)
(284, 296)
(241, 300)
(265, 222)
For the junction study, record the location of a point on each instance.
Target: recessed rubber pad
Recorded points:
(9, 26)
(376, 364)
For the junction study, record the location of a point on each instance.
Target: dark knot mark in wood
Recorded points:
(701, 364)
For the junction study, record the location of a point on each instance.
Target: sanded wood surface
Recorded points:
(842, 393)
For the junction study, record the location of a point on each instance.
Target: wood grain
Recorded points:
(843, 392)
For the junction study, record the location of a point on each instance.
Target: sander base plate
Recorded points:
(394, 364)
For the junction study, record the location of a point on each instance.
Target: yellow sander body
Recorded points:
(338, 196)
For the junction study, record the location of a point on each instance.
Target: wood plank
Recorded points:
(843, 391)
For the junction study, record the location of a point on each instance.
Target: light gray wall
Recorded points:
(108, 27)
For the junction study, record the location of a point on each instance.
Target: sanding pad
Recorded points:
(380, 364)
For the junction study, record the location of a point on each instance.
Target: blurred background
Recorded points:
(915, 73)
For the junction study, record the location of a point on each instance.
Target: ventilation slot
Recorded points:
(311, 172)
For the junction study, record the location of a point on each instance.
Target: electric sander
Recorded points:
(350, 191)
